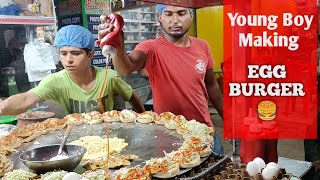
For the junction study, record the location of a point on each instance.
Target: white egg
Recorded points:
(273, 164)
(253, 168)
(269, 172)
(71, 176)
(260, 162)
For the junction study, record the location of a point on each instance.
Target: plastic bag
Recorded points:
(4, 3)
(39, 59)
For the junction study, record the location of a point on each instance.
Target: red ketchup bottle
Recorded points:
(244, 130)
(247, 121)
(252, 143)
(272, 135)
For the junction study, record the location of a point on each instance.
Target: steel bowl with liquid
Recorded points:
(38, 159)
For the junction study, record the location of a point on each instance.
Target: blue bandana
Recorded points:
(160, 8)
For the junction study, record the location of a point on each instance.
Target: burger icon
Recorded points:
(267, 110)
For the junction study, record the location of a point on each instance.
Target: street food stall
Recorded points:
(128, 145)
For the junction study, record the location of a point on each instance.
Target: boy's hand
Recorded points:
(3, 105)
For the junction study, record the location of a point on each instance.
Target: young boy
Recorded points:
(77, 87)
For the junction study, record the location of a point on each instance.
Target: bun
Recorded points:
(52, 124)
(146, 117)
(182, 131)
(172, 172)
(7, 166)
(127, 116)
(175, 122)
(75, 119)
(111, 116)
(31, 137)
(195, 161)
(204, 137)
(210, 139)
(205, 152)
(133, 173)
(267, 110)
(93, 117)
(95, 174)
(164, 117)
(11, 141)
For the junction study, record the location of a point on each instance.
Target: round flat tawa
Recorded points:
(144, 140)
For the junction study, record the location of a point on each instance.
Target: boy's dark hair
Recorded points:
(87, 50)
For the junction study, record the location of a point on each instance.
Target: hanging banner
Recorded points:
(270, 69)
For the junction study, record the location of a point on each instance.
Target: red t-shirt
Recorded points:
(177, 75)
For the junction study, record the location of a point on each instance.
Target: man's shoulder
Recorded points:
(151, 41)
(198, 40)
(199, 43)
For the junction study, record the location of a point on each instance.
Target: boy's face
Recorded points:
(75, 59)
(175, 21)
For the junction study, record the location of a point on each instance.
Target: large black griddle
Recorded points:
(145, 140)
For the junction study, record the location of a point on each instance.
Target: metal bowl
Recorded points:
(36, 115)
(38, 159)
(6, 129)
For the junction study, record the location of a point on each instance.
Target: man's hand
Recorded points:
(105, 27)
(316, 165)
(3, 105)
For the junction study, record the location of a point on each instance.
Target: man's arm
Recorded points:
(136, 103)
(124, 64)
(18, 103)
(214, 92)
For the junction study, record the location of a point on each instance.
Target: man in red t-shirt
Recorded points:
(179, 67)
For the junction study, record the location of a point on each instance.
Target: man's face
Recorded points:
(175, 21)
(75, 59)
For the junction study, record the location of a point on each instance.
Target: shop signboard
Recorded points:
(69, 13)
(92, 9)
(96, 6)
(68, 20)
(92, 23)
(69, 7)
(270, 69)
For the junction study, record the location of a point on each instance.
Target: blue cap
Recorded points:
(160, 8)
(74, 35)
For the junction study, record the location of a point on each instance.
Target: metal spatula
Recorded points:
(62, 152)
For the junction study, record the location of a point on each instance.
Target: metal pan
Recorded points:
(145, 140)
(38, 159)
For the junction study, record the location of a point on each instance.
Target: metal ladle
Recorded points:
(62, 153)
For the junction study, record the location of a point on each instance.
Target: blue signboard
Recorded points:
(74, 20)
